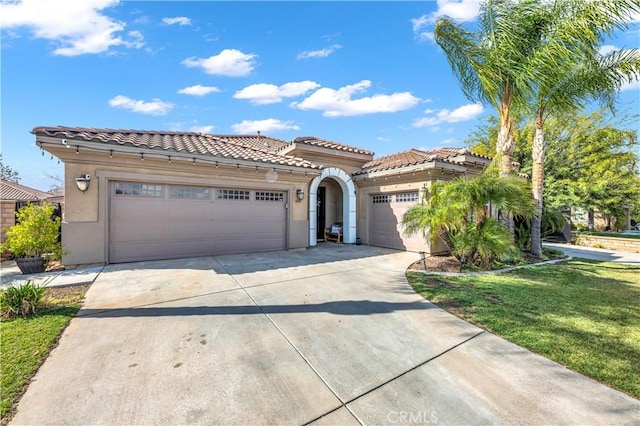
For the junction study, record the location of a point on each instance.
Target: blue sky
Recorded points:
(360, 73)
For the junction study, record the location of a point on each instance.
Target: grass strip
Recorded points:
(26, 342)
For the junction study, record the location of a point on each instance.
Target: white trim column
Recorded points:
(348, 205)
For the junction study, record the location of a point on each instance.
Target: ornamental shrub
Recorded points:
(22, 300)
(35, 234)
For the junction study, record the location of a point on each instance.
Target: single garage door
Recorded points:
(385, 221)
(154, 221)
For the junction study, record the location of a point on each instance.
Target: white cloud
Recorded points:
(458, 10)
(144, 19)
(632, 85)
(155, 107)
(229, 62)
(137, 40)
(75, 27)
(261, 94)
(450, 141)
(201, 129)
(463, 113)
(337, 103)
(607, 48)
(198, 90)
(265, 126)
(383, 139)
(322, 53)
(180, 20)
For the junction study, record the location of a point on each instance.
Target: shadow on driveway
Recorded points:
(347, 307)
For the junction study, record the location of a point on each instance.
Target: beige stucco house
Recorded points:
(140, 195)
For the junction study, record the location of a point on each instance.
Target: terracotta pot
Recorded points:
(31, 265)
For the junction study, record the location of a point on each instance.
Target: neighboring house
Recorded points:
(13, 196)
(158, 195)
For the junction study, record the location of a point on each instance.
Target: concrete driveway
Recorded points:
(331, 335)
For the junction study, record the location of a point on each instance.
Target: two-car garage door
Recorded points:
(162, 221)
(385, 221)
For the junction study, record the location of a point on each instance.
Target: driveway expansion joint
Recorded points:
(404, 373)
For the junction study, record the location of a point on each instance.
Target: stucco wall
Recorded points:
(86, 218)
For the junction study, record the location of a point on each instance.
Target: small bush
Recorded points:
(35, 234)
(23, 300)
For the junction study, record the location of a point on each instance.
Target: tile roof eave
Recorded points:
(430, 164)
(105, 144)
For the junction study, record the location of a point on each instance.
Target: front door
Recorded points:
(321, 212)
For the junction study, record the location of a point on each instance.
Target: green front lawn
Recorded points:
(582, 314)
(26, 342)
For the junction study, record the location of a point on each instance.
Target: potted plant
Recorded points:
(33, 241)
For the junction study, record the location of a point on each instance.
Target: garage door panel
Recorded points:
(191, 248)
(131, 252)
(184, 210)
(157, 226)
(130, 232)
(190, 231)
(385, 222)
(251, 232)
(125, 208)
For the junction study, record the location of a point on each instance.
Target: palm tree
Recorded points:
(488, 63)
(457, 213)
(569, 70)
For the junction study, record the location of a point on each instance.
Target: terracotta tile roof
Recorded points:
(311, 140)
(15, 191)
(261, 142)
(413, 157)
(223, 146)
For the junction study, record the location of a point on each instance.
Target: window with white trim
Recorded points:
(407, 197)
(190, 192)
(381, 199)
(232, 194)
(269, 196)
(138, 189)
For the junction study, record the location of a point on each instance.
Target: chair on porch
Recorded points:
(334, 233)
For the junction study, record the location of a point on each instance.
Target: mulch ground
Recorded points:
(451, 264)
(64, 292)
(437, 263)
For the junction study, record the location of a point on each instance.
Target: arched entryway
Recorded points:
(348, 204)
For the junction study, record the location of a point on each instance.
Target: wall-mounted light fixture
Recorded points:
(300, 194)
(82, 182)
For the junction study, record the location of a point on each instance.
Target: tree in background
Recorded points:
(8, 173)
(570, 70)
(592, 161)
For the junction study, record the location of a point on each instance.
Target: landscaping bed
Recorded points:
(451, 264)
(582, 314)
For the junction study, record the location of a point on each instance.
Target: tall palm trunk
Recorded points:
(537, 182)
(505, 145)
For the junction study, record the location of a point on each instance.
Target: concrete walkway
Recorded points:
(597, 254)
(331, 335)
(10, 275)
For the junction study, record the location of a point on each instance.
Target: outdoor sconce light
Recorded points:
(300, 194)
(82, 182)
